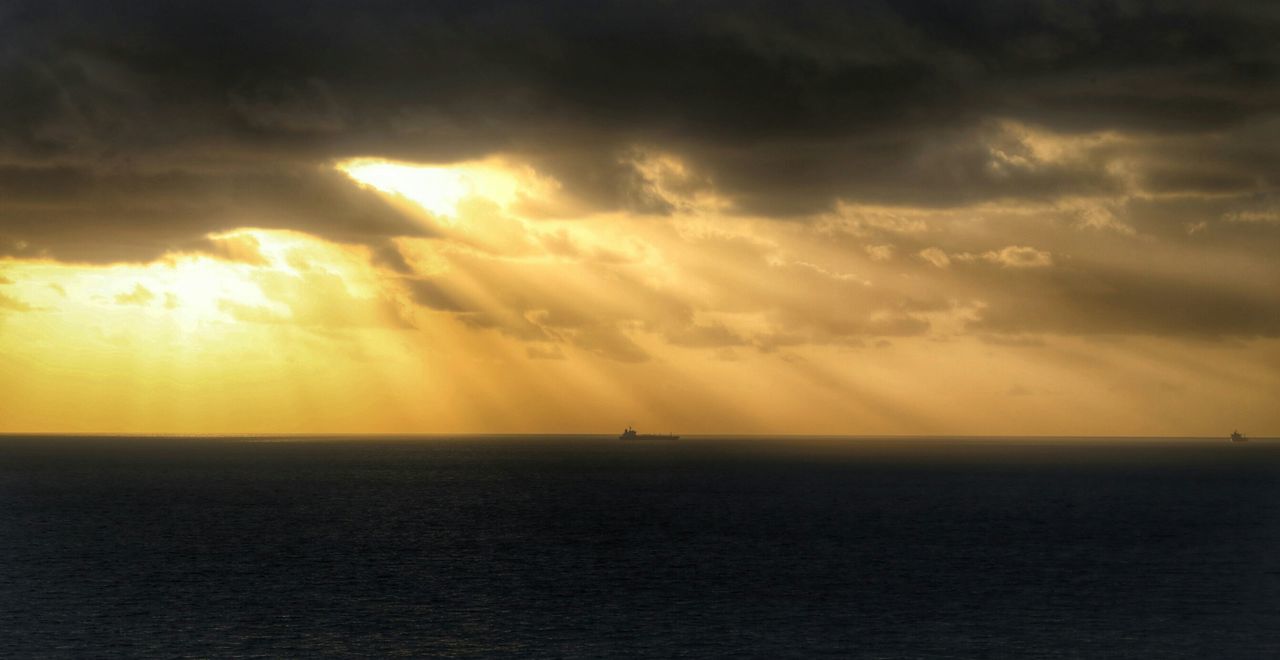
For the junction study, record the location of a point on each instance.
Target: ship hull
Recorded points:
(630, 434)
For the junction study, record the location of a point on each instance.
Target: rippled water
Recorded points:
(553, 547)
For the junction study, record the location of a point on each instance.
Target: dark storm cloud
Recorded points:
(80, 213)
(130, 129)
(787, 105)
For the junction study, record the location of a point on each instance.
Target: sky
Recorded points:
(908, 217)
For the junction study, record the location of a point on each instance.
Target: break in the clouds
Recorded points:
(617, 181)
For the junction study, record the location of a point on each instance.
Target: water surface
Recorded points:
(582, 546)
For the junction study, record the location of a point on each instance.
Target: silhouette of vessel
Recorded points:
(1237, 436)
(630, 434)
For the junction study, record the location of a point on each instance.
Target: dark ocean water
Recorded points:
(589, 547)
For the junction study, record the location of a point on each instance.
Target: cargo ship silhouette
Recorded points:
(630, 434)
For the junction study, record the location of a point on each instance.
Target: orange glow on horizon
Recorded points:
(508, 321)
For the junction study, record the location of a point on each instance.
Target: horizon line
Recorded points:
(482, 434)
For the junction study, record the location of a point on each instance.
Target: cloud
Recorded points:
(710, 335)
(1268, 216)
(288, 106)
(1096, 215)
(86, 215)
(315, 298)
(432, 293)
(785, 109)
(776, 160)
(548, 352)
(1019, 256)
(11, 304)
(936, 257)
(140, 295)
(1094, 299)
(880, 252)
(609, 342)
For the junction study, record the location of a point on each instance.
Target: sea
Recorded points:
(590, 547)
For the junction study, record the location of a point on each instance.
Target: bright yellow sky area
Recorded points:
(517, 314)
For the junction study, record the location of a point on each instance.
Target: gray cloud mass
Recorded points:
(131, 129)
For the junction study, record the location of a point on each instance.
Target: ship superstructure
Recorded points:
(631, 434)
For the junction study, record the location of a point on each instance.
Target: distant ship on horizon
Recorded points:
(1237, 436)
(631, 434)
